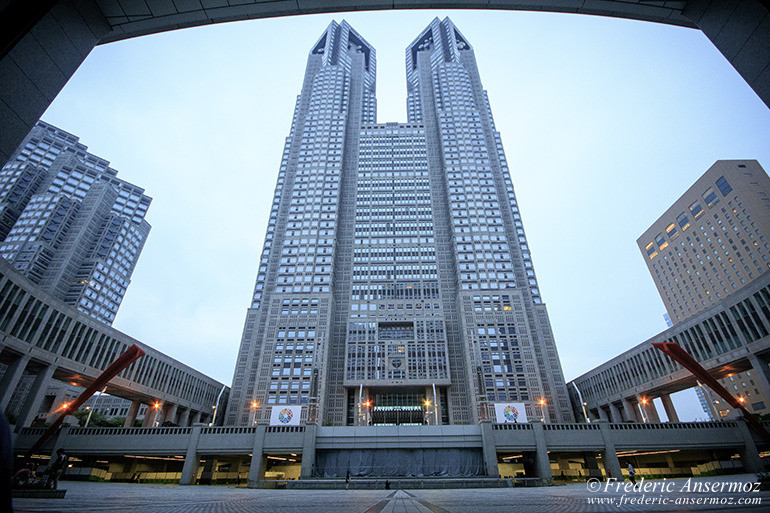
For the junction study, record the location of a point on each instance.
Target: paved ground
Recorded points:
(681, 496)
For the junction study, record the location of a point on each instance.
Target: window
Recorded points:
(696, 210)
(711, 197)
(724, 186)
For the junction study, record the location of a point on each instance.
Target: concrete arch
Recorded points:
(43, 42)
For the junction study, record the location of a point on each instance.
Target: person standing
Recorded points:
(57, 468)
(631, 473)
(347, 481)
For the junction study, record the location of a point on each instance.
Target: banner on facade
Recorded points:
(509, 413)
(285, 415)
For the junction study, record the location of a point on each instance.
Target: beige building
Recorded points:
(713, 239)
(710, 243)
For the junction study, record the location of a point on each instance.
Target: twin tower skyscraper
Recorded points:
(395, 284)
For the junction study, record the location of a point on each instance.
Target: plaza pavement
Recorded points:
(120, 497)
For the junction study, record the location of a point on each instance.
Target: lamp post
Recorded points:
(541, 402)
(254, 407)
(157, 409)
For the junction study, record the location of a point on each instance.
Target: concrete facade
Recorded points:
(73, 227)
(607, 443)
(396, 283)
(728, 338)
(48, 339)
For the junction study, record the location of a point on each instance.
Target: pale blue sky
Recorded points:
(605, 122)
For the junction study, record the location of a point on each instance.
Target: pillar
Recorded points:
(668, 405)
(196, 418)
(752, 463)
(542, 462)
(615, 415)
(149, 416)
(489, 450)
(760, 371)
(131, 415)
(740, 29)
(169, 413)
(602, 413)
(647, 405)
(629, 410)
(35, 397)
(592, 467)
(11, 378)
(308, 451)
(44, 48)
(190, 467)
(257, 469)
(611, 461)
(184, 418)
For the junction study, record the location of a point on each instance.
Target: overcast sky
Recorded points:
(605, 123)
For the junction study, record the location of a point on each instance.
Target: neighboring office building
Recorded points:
(713, 239)
(710, 243)
(69, 224)
(396, 284)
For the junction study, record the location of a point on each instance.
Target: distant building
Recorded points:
(710, 243)
(713, 239)
(69, 224)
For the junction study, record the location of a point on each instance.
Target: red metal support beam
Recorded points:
(132, 354)
(682, 357)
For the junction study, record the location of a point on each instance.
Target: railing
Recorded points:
(511, 427)
(570, 427)
(720, 424)
(285, 429)
(131, 431)
(228, 430)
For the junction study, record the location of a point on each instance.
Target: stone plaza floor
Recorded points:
(677, 495)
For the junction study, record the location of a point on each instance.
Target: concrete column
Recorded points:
(190, 467)
(169, 413)
(668, 405)
(647, 406)
(184, 418)
(615, 415)
(760, 371)
(589, 458)
(629, 410)
(740, 29)
(602, 413)
(611, 462)
(41, 61)
(542, 461)
(11, 378)
(131, 415)
(308, 451)
(35, 397)
(257, 469)
(149, 416)
(489, 450)
(752, 463)
(196, 418)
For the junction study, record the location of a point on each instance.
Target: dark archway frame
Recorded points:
(43, 42)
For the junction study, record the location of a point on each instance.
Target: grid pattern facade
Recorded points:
(73, 227)
(400, 247)
(713, 239)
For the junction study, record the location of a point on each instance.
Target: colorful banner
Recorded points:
(285, 415)
(509, 413)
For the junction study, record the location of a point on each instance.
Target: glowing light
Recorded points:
(644, 401)
(741, 399)
(255, 404)
(541, 402)
(157, 405)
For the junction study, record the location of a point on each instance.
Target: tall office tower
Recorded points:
(69, 224)
(395, 285)
(712, 240)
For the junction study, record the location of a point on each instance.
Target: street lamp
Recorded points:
(541, 402)
(254, 407)
(157, 409)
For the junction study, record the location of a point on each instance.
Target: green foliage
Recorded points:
(98, 419)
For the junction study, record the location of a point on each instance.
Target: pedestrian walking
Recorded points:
(631, 473)
(57, 468)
